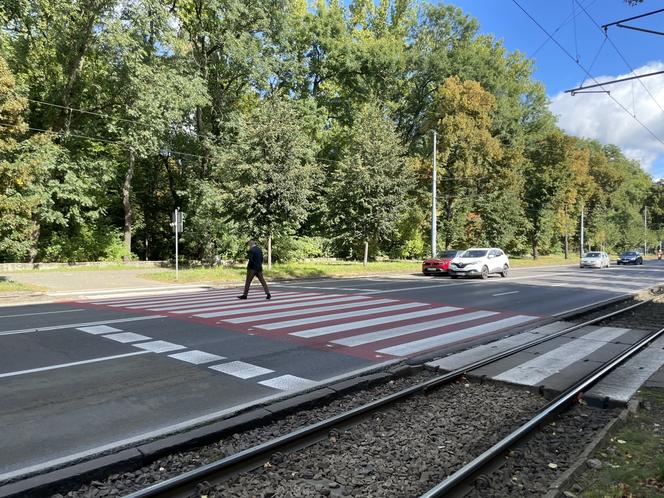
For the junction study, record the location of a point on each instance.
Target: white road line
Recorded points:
(159, 346)
(241, 310)
(381, 335)
(42, 313)
(98, 329)
(202, 299)
(288, 383)
(76, 325)
(162, 297)
(196, 357)
(171, 300)
(450, 337)
(505, 293)
(126, 337)
(249, 303)
(241, 369)
(72, 364)
(210, 302)
(343, 327)
(336, 316)
(552, 362)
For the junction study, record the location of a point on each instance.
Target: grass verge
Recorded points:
(633, 461)
(8, 286)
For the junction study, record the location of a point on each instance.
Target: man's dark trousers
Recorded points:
(250, 276)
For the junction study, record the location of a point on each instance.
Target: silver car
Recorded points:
(595, 259)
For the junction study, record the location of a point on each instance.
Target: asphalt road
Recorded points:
(80, 378)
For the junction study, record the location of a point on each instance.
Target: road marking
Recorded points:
(249, 303)
(77, 325)
(126, 337)
(42, 313)
(532, 372)
(98, 329)
(241, 369)
(450, 337)
(381, 335)
(72, 364)
(169, 299)
(257, 309)
(337, 316)
(212, 301)
(342, 327)
(196, 357)
(505, 293)
(159, 346)
(288, 383)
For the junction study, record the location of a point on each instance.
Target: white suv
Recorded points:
(480, 262)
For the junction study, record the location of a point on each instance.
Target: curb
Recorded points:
(65, 479)
(558, 487)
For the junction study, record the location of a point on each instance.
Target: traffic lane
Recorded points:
(57, 413)
(36, 316)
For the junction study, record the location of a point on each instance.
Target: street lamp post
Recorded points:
(433, 201)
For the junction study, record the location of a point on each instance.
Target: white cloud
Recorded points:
(597, 116)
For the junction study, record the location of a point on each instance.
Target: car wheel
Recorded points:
(485, 273)
(641, 262)
(506, 270)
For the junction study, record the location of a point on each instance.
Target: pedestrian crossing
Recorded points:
(361, 325)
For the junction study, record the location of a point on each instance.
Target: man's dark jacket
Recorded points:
(255, 259)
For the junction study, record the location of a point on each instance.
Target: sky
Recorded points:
(590, 115)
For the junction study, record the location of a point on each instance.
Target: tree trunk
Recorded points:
(126, 204)
(535, 255)
(269, 252)
(566, 246)
(366, 252)
(34, 241)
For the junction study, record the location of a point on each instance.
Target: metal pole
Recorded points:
(645, 231)
(433, 201)
(175, 218)
(581, 231)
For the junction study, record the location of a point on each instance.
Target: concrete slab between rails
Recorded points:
(74, 475)
(560, 485)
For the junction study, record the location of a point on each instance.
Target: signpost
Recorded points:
(178, 226)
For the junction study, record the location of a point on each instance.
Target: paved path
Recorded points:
(106, 373)
(86, 280)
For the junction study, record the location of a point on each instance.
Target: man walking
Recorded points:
(254, 269)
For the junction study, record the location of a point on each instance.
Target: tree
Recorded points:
(367, 191)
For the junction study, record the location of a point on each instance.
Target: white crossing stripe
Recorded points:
(200, 299)
(532, 372)
(381, 335)
(249, 303)
(211, 302)
(241, 369)
(450, 337)
(98, 329)
(242, 309)
(342, 327)
(288, 383)
(323, 309)
(161, 298)
(126, 337)
(196, 357)
(159, 346)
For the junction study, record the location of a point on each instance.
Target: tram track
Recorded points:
(188, 484)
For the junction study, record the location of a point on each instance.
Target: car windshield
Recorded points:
(448, 254)
(629, 254)
(474, 254)
(593, 255)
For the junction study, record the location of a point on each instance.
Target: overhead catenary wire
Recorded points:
(615, 47)
(560, 26)
(587, 72)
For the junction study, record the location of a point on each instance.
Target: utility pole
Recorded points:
(581, 230)
(433, 201)
(645, 230)
(178, 227)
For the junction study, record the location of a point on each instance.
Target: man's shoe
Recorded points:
(268, 296)
(242, 297)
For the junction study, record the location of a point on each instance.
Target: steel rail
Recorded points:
(474, 467)
(184, 484)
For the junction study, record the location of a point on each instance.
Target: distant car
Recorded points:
(480, 262)
(630, 258)
(595, 259)
(439, 265)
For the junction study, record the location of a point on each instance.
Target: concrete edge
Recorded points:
(557, 488)
(65, 478)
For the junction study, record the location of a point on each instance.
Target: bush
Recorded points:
(297, 248)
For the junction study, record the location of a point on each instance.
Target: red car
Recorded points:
(441, 264)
